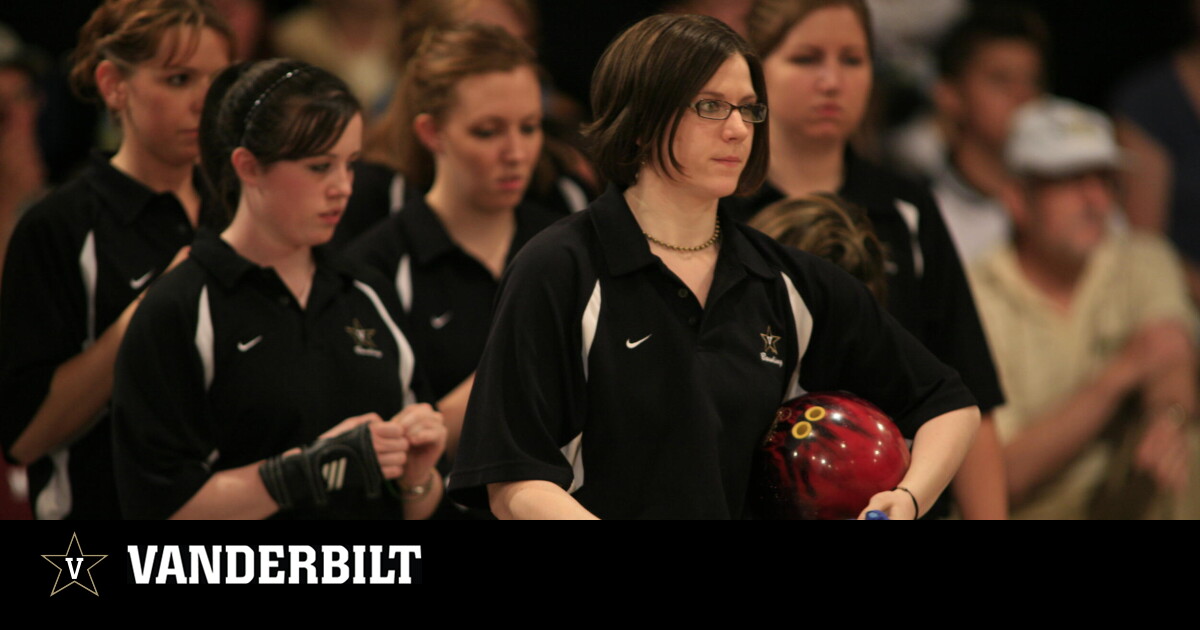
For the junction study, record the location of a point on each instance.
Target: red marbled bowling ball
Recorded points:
(825, 457)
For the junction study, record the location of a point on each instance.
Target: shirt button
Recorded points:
(692, 321)
(284, 301)
(683, 293)
(181, 229)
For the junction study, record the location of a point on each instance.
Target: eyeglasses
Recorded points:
(720, 110)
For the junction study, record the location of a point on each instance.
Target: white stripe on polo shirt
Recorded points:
(406, 352)
(204, 337)
(803, 320)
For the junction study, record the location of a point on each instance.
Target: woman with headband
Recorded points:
(255, 379)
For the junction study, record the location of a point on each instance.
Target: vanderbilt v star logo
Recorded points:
(75, 564)
(364, 340)
(769, 341)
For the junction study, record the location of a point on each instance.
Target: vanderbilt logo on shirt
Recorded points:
(364, 340)
(769, 341)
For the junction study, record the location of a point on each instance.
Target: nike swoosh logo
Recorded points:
(633, 344)
(440, 321)
(246, 345)
(137, 283)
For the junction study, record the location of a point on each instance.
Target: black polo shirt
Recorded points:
(76, 260)
(604, 375)
(221, 368)
(446, 293)
(927, 288)
(380, 191)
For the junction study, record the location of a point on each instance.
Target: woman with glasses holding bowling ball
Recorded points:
(817, 63)
(641, 347)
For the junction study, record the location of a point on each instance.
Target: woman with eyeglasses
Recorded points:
(641, 347)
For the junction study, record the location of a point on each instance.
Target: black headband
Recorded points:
(267, 92)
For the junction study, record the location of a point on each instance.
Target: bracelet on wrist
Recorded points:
(418, 491)
(916, 508)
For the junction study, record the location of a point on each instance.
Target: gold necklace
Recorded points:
(709, 243)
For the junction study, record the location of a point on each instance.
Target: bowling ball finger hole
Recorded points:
(801, 430)
(815, 414)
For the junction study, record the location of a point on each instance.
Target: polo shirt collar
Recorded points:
(229, 267)
(626, 250)
(215, 255)
(126, 196)
(428, 238)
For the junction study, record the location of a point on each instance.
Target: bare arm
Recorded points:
(237, 493)
(1146, 186)
(979, 485)
(938, 451)
(533, 500)
(424, 432)
(1169, 396)
(78, 390)
(1155, 359)
(1063, 430)
(454, 407)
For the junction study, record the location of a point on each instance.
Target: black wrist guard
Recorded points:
(343, 463)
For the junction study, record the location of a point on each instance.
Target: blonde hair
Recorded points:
(827, 226)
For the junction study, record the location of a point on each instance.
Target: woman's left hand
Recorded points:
(895, 503)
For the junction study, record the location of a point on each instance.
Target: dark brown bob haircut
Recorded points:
(642, 88)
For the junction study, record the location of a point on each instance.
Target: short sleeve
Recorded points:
(858, 347)
(529, 397)
(43, 318)
(162, 441)
(1161, 291)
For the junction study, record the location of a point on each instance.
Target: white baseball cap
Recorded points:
(1057, 137)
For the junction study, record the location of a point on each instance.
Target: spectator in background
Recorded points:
(1158, 124)
(249, 20)
(354, 39)
(991, 63)
(906, 35)
(1093, 333)
(731, 12)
